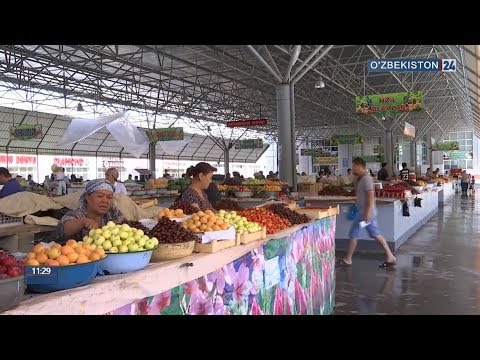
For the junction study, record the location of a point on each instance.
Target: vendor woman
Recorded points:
(196, 194)
(95, 210)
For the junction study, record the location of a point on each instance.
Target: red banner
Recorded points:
(247, 123)
(68, 161)
(19, 160)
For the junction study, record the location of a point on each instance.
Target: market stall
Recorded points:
(446, 193)
(290, 272)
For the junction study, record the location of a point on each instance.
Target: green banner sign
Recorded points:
(249, 144)
(446, 146)
(324, 160)
(458, 155)
(394, 103)
(26, 132)
(347, 139)
(165, 134)
(311, 152)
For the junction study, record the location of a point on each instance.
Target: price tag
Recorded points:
(47, 275)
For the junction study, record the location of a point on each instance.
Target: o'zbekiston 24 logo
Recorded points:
(412, 65)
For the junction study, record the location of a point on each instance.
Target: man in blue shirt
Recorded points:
(10, 185)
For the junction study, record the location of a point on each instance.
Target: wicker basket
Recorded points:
(173, 251)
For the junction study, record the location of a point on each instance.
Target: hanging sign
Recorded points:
(347, 139)
(409, 130)
(249, 144)
(394, 103)
(26, 132)
(311, 152)
(457, 155)
(446, 145)
(165, 134)
(324, 160)
(247, 123)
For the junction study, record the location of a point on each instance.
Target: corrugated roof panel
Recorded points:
(54, 131)
(80, 147)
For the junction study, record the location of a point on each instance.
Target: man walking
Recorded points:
(367, 213)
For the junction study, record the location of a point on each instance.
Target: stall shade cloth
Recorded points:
(134, 141)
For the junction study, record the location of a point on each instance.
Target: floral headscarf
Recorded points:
(92, 186)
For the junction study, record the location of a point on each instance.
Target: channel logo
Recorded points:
(412, 65)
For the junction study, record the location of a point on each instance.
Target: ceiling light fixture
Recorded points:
(383, 117)
(185, 100)
(80, 107)
(319, 84)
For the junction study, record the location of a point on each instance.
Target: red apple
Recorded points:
(9, 261)
(14, 271)
(3, 269)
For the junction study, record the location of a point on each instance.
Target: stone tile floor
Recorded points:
(438, 270)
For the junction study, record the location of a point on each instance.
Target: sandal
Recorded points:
(341, 263)
(387, 264)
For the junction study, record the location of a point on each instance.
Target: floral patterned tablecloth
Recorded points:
(294, 275)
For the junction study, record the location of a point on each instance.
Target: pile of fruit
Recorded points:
(171, 232)
(275, 182)
(332, 190)
(266, 218)
(240, 188)
(71, 253)
(120, 238)
(227, 204)
(136, 225)
(292, 216)
(205, 221)
(271, 188)
(160, 183)
(187, 208)
(9, 266)
(241, 224)
(421, 183)
(223, 187)
(254, 182)
(171, 214)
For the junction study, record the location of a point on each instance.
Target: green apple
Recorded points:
(140, 232)
(141, 249)
(98, 231)
(113, 249)
(91, 233)
(117, 242)
(141, 242)
(99, 240)
(132, 247)
(150, 244)
(111, 224)
(125, 227)
(228, 216)
(127, 242)
(107, 234)
(136, 237)
(105, 227)
(145, 237)
(155, 240)
(107, 244)
(123, 248)
(115, 231)
(87, 239)
(123, 235)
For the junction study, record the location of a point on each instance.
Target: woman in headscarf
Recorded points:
(95, 210)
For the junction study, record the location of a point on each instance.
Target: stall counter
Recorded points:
(291, 272)
(446, 193)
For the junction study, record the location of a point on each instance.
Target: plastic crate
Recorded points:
(6, 220)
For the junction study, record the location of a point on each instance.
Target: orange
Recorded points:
(86, 246)
(32, 262)
(42, 258)
(197, 223)
(200, 213)
(71, 243)
(63, 260)
(67, 249)
(195, 217)
(192, 227)
(56, 246)
(209, 212)
(224, 227)
(52, 262)
(72, 257)
(38, 248)
(31, 255)
(209, 229)
(195, 230)
(219, 222)
(100, 251)
(82, 259)
(179, 212)
(53, 253)
(94, 257)
(204, 220)
(209, 224)
(80, 250)
(203, 227)
(215, 227)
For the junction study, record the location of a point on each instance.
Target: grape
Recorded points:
(170, 232)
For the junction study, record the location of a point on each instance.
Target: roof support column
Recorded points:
(388, 146)
(151, 158)
(286, 142)
(413, 155)
(226, 160)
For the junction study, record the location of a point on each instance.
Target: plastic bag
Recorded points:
(173, 147)
(352, 213)
(134, 141)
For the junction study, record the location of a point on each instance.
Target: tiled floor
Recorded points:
(438, 269)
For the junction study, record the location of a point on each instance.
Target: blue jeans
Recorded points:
(372, 228)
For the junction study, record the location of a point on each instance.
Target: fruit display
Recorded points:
(72, 253)
(253, 182)
(205, 221)
(173, 185)
(275, 182)
(171, 214)
(405, 185)
(137, 225)
(421, 183)
(9, 266)
(187, 208)
(270, 188)
(160, 183)
(240, 188)
(284, 212)
(241, 224)
(332, 190)
(223, 187)
(120, 238)
(266, 218)
(171, 232)
(228, 205)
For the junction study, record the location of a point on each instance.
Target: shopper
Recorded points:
(404, 173)
(383, 172)
(472, 184)
(429, 173)
(260, 175)
(464, 182)
(112, 176)
(10, 185)
(367, 212)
